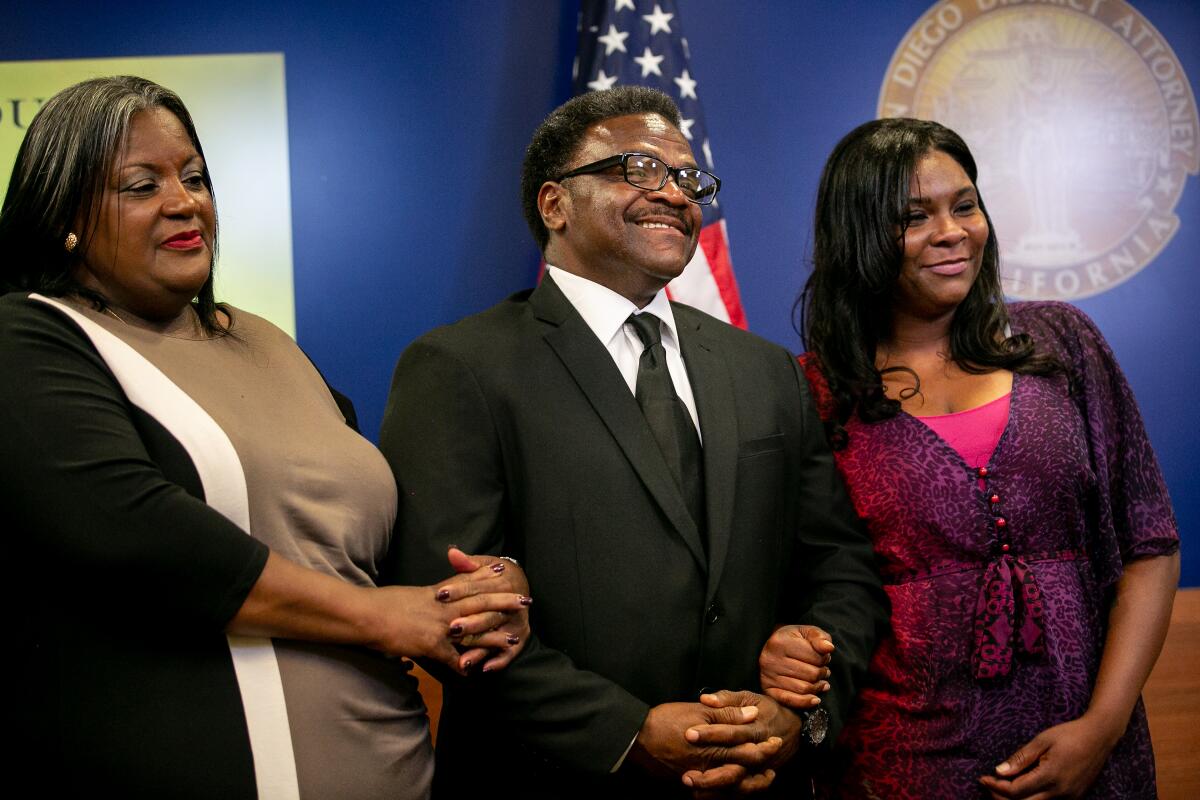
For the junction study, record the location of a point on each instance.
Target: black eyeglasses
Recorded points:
(650, 173)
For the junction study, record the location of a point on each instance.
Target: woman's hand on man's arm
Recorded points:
(793, 665)
(294, 602)
(495, 635)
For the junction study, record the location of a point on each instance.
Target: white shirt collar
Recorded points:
(605, 311)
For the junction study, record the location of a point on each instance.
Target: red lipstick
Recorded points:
(188, 240)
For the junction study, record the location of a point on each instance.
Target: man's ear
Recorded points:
(554, 204)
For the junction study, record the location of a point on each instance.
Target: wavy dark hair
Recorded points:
(846, 306)
(59, 178)
(560, 135)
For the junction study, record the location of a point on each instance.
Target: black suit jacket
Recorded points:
(513, 432)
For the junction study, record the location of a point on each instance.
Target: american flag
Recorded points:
(641, 42)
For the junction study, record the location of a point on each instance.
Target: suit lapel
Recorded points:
(597, 376)
(713, 389)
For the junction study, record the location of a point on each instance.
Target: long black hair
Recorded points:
(846, 306)
(58, 182)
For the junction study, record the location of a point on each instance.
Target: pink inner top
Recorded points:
(974, 433)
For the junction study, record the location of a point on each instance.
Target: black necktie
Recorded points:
(668, 417)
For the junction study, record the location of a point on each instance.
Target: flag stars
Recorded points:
(614, 40)
(660, 22)
(619, 4)
(602, 82)
(1165, 184)
(649, 63)
(687, 86)
(685, 127)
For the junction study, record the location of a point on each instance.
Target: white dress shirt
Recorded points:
(605, 313)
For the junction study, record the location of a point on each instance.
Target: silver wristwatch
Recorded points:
(816, 725)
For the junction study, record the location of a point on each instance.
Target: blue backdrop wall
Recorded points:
(407, 125)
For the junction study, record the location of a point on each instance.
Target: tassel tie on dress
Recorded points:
(1008, 616)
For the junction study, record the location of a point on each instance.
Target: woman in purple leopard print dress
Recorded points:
(998, 458)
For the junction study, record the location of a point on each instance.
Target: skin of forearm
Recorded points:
(1137, 626)
(290, 601)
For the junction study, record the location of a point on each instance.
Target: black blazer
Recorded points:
(513, 432)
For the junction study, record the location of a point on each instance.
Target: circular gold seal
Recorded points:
(1081, 119)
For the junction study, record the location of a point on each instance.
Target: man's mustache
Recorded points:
(683, 219)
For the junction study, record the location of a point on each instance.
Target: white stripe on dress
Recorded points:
(224, 484)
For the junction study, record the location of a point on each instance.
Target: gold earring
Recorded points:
(71, 241)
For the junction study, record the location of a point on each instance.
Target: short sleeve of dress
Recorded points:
(97, 516)
(1133, 514)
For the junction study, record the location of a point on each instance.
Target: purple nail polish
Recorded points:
(455, 630)
(512, 639)
(498, 568)
(443, 594)
(526, 601)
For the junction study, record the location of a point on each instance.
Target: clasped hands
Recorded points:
(480, 616)
(729, 742)
(732, 742)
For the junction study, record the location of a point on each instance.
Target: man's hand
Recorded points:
(663, 747)
(793, 665)
(771, 723)
(1062, 761)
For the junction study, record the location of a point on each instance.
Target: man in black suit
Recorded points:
(560, 428)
